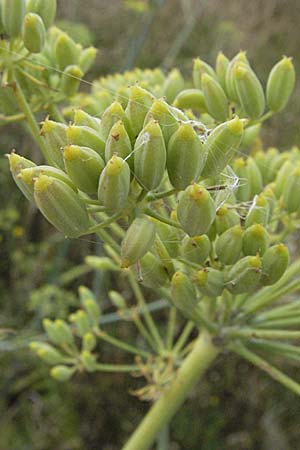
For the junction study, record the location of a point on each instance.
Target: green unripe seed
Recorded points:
(196, 210)
(185, 157)
(117, 300)
(101, 263)
(50, 355)
(46, 352)
(89, 303)
(138, 241)
(280, 84)
(58, 332)
(222, 64)
(225, 219)
(183, 293)
(139, 103)
(230, 82)
(13, 12)
(210, 282)
(55, 137)
(114, 184)
(169, 236)
(242, 193)
(250, 135)
(259, 211)
(162, 113)
(282, 177)
(118, 143)
(88, 361)
(249, 90)
(61, 206)
(290, 192)
(263, 164)
(229, 245)
(244, 276)
(30, 174)
(215, 99)
(221, 145)
(89, 342)
(111, 115)
(84, 136)
(82, 321)
(196, 249)
(87, 58)
(150, 156)
(66, 51)
(271, 155)
(70, 80)
(82, 118)
(122, 96)
(46, 9)
(83, 165)
(190, 99)
(173, 84)
(33, 33)
(151, 272)
(200, 67)
(254, 178)
(18, 163)
(255, 240)
(276, 165)
(274, 263)
(269, 194)
(62, 373)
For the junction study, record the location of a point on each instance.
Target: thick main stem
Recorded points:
(193, 367)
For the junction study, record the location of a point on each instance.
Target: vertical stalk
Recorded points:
(171, 327)
(31, 122)
(163, 439)
(193, 367)
(148, 317)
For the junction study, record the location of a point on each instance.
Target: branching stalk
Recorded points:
(193, 367)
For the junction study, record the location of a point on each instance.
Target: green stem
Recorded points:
(281, 323)
(262, 302)
(266, 295)
(161, 218)
(143, 330)
(261, 119)
(12, 118)
(105, 237)
(117, 368)
(164, 256)
(279, 312)
(277, 347)
(32, 124)
(264, 334)
(115, 227)
(122, 345)
(265, 366)
(193, 367)
(142, 303)
(163, 440)
(184, 336)
(159, 195)
(106, 223)
(171, 327)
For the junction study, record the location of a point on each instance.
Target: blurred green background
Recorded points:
(235, 407)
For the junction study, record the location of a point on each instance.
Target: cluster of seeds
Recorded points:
(159, 169)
